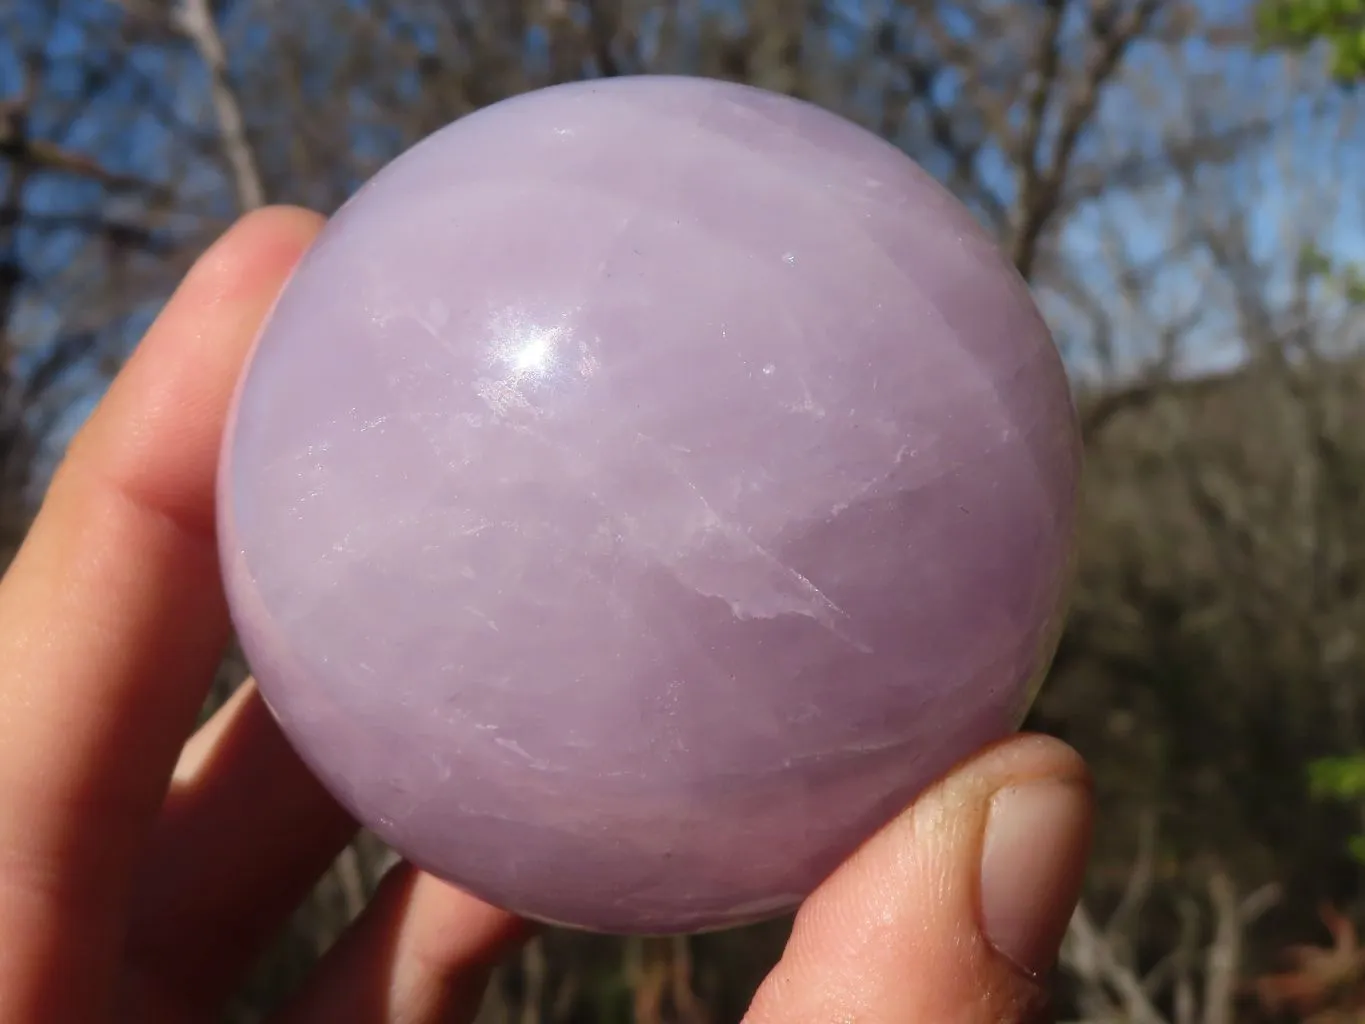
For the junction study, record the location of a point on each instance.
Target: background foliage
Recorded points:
(1179, 181)
(1341, 23)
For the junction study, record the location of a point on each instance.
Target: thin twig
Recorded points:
(351, 880)
(1092, 959)
(1224, 958)
(194, 20)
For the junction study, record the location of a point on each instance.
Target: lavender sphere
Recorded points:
(641, 490)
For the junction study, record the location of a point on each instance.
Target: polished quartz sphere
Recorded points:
(640, 491)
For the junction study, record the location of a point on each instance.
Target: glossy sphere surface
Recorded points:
(640, 491)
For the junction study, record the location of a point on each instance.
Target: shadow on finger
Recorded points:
(245, 832)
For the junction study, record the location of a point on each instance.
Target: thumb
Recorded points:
(955, 911)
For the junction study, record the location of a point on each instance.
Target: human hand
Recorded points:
(141, 874)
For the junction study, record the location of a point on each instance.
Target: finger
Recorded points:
(953, 912)
(243, 836)
(111, 623)
(422, 952)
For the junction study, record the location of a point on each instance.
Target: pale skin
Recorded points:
(144, 866)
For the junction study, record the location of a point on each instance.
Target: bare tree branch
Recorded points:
(1087, 955)
(194, 19)
(1041, 193)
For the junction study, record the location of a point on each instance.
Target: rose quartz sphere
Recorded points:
(641, 490)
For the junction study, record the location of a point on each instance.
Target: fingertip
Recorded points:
(299, 219)
(1020, 759)
(256, 235)
(247, 263)
(155, 434)
(955, 909)
(278, 232)
(422, 950)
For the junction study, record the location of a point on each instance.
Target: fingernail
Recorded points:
(1032, 864)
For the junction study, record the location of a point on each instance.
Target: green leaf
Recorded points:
(1356, 846)
(1297, 24)
(1338, 778)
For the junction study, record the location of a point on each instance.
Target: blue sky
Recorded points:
(1312, 156)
